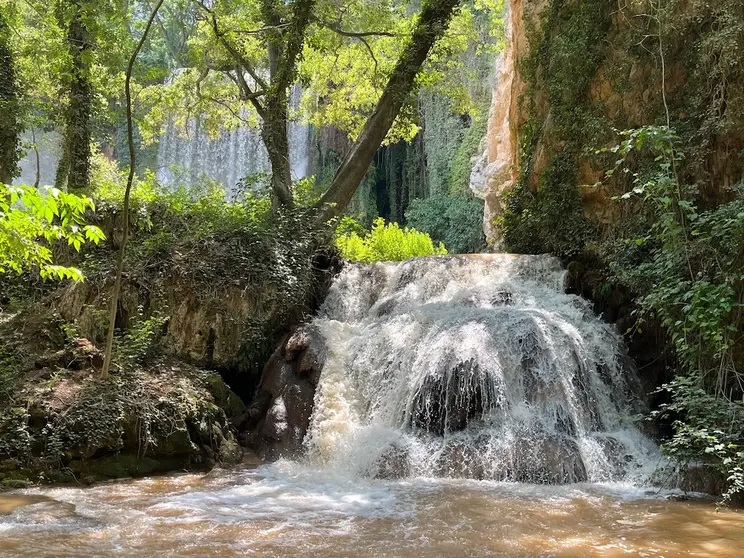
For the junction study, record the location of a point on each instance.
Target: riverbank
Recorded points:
(65, 425)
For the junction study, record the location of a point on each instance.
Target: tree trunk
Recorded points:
(284, 49)
(78, 116)
(9, 106)
(433, 22)
(274, 135)
(114, 302)
(63, 166)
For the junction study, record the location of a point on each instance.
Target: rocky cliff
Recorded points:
(574, 73)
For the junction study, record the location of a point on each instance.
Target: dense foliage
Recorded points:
(455, 221)
(32, 220)
(385, 242)
(687, 265)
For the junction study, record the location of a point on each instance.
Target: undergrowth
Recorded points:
(385, 242)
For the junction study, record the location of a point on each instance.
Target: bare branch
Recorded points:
(336, 28)
(261, 29)
(234, 52)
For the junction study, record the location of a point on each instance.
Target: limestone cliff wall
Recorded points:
(496, 171)
(574, 72)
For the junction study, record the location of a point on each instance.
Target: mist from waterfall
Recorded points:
(187, 157)
(477, 367)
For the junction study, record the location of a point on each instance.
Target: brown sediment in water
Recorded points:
(272, 511)
(10, 502)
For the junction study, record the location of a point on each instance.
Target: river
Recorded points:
(288, 509)
(467, 406)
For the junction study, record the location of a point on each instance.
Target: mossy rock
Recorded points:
(123, 465)
(224, 396)
(230, 452)
(16, 483)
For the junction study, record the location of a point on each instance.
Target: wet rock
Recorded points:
(461, 459)
(449, 399)
(277, 376)
(392, 464)
(549, 460)
(298, 341)
(279, 416)
(230, 452)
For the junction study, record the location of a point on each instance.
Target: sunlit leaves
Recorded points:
(385, 243)
(350, 50)
(32, 220)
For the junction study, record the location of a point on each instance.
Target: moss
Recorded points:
(116, 466)
(544, 213)
(16, 483)
(230, 403)
(156, 419)
(550, 220)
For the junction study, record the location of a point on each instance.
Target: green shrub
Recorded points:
(688, 273)
(386, 243)
(31, 220)
(138, 343)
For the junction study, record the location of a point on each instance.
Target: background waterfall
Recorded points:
(188, 157)
(473, 366)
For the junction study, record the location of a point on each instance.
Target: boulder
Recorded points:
(279, 416)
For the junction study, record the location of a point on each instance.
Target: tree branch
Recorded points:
(234, 52)
(202, 76)
(432, 23)
(336, 28)
(295, 40)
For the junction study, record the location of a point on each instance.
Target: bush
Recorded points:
(688, 273)
(386, 243)
(455, 221)
(31, 220)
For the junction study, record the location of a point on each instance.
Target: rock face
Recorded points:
(576, 97)
(495, 172)
(278, 418)
(61, 424)
(205, 330)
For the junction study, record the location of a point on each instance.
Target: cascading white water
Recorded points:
(473, 366)
(187, 157)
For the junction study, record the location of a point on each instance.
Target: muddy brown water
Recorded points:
(286, 509)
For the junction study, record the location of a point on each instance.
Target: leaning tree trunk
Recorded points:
(74, 166)
(433, 22)
(9, 121)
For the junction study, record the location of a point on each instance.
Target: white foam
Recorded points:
(473, 366)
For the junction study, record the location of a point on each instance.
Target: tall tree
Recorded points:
(433, 22)
(9, 106)
(248, 55)
(74, 165)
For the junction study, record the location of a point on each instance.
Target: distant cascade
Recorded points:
(189, 156)
(476, 367)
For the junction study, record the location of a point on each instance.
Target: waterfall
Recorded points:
(476, 367)
(190, 156)
(49, 146)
